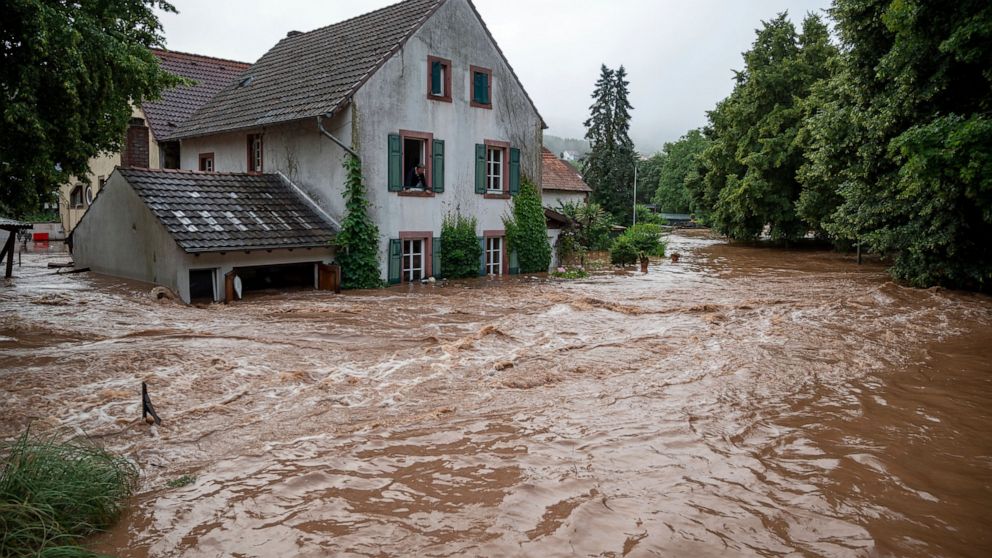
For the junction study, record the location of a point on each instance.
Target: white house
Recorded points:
(421, 82)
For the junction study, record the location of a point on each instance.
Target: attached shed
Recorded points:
(202, 233)
(560, 182)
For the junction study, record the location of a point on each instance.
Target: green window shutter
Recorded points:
(395, 163)
(436, 259)
(514, 264)
(395, 260)
(481, 87)
(485, 89)
(437, 171)
(514, 171)
(482, 261)
(480, 168)
(436, 75)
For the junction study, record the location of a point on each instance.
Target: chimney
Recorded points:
(293, 34)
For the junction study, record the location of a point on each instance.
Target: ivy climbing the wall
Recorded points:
(461, 253)
(527, 230)
(358, 242)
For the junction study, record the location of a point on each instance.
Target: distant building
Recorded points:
(560, 182)
(145, 143)
(569, 156)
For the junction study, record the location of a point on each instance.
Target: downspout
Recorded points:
(320, 125)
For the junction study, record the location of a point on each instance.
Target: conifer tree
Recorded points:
(609, 167)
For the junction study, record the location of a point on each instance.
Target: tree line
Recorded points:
(881, 137)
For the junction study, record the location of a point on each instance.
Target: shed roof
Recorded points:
(216, 212)
(311, 74)
(178, 103)
(12, 225)
(559, 175)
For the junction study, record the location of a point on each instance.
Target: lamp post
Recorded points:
(634, 221)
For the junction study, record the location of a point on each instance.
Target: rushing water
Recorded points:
(745, 401)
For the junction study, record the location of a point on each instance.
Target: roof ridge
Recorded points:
(192, 171)
(204, 56)
(352, 18)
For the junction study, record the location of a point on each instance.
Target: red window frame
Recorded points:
(428, 252)
(204, 157)
(446, 79)
(428, 139)
(504, 263)
(489, 86)
(504, 146)
(261, 153)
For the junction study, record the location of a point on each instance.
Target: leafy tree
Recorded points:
(358, 241)
(69, 72)
(461, 251)
(751, 166)
(679, 168)
(648, 175)
(905, 127)
(609, 166)
(527, 230)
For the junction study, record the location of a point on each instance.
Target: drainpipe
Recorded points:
(320, 124)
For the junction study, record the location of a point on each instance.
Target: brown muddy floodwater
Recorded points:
(743, 402)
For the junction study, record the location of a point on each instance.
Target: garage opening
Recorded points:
(202, 285)
(277, 277)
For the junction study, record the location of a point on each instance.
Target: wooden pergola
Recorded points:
(13, 227)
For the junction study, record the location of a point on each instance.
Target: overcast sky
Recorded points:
(678, 53)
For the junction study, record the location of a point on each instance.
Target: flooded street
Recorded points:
(745, 401)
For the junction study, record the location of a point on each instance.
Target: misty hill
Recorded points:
(556, 145)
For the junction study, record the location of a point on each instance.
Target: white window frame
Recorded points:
(413, 247)
(494, 169)
(494, 255)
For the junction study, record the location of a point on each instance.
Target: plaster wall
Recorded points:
(120, 236)
(554, 198)
(395, 98)
(225, 262)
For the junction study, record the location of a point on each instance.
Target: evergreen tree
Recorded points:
(609, 166)
(358, 241)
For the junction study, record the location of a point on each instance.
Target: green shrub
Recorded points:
(527, 230)
(622, 251)
(460, 249)
(53, 493)
(646, 239)
(358, 241)
(589, 226)
(570, 273)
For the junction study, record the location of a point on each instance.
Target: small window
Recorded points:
(413, 260)
(482, 87)
(255, 153)
(76, 197)
(494, 169)
(207, 162)
(438, 79)
(101, 181)
(494, 255)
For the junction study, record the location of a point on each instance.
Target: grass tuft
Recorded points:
(53, 493)
(182, 481)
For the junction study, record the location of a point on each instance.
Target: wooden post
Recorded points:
(146, 406)
(8, 249)
(859, 252)
(329, 277)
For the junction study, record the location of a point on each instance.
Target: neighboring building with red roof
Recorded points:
(560, 182)
(147, 143)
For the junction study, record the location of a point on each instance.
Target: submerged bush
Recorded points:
(460, 248)
(53, 493)
(622, 251)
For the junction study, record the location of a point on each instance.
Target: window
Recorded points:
(414, 156)
(413, 260)
(438, 79)
(255, 153)
(76, 197)
(494, 170)
(207, 162)
(494, 255)
(482, 87)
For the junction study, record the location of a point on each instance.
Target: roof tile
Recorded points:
(559, 175)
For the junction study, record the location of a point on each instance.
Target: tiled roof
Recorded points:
(177, 103)
(310, 74)
(213, 212)
(559, 175)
